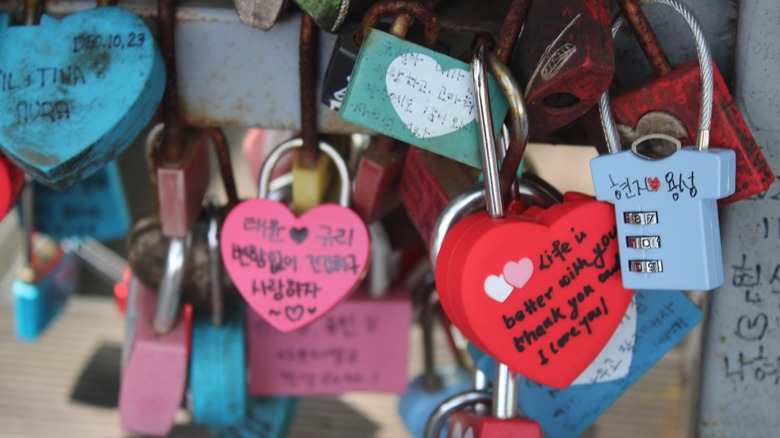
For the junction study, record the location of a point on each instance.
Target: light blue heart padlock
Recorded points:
(76, 92)
(666, 208)
(95, 207)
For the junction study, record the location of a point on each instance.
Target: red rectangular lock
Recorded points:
(468, 424)
(378, 171)
(181, 186)
(428, 183)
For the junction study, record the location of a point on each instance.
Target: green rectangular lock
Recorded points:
(418, 96)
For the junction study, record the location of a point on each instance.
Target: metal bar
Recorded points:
(741, 361)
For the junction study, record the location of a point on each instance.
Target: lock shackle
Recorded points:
(705, 68)
(452, 404)
(215, 266)
(510, 29)
(380, 271)
(287, 146)
(426, 291)
(495, 203)
(420, 12)
(169, 294)
(222, 147)
(33, 9)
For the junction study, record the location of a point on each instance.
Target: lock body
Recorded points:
(646, 108)
(182, 186)
(95, 207)
(260, 14)
(355, 347)
(427, 184)
(11, 183)
(217, 378)
(310, 183)
(468, 424)
(378, 172)
(330, 15)
(564, 59)
(155, 373)
(667, 217)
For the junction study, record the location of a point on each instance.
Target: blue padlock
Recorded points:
(45, 281)
(437, 383)
(666, 206)
(95, 207)
(267, 417)
(218, 369)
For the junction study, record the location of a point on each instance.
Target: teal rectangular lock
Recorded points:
(418, 96)
(95, 207)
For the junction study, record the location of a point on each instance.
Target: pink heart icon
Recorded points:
(518, 274)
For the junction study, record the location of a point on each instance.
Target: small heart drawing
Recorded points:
(518, 274)
(76, 91)
(497, 288)
(293, 313)
(654, 184)
(429, 101)
(275, 266)
(298, 235)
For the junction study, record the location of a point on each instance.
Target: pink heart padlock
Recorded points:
(292, 270)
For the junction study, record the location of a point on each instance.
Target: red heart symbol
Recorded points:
(654, 184)
(556, 325)
(292, 270)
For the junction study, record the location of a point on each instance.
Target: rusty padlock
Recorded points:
(564, 57)
(668, 102)
(378, 172)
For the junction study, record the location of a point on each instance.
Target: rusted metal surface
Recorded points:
(420, 12)
(401, 23)
(222, 148)
(510, 29)
(308, 81)
(645, 36)
(171, 142)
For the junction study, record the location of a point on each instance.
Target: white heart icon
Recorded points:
(429, 101)
(497, 288)
(614, 360)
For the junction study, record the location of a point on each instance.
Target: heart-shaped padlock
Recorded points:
(294, 270)
(77, 91)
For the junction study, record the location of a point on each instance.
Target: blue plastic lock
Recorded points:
(418, 402)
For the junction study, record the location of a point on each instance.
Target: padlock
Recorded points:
(294, 270)
(378, 172)
(331, 15)
(666, 103)
(437, 383)
(496, 257)
(267, 417)
(46, 279)
(11, 184)
(154, 374)
(262, 14)
(657, 322)
(412, 93)
(96, 207)
(79, 92)
(218, 372)
(564, 57)
(651, 193)
(355, 347)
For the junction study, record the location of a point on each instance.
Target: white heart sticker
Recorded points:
(497, 288)
(614, 360)
(429, 101)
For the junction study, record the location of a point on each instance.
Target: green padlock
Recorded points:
(331, 14)
(415, 94)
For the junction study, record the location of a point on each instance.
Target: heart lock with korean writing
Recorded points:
(412, 93)
(666, 103)
(549, 298)
(665, 208)
(565, 59)
(45, 281)
(148, 244)
(81, 90)
(355, 347)
(156, 349)
(293, 270)
(437, 383)
(96, 207)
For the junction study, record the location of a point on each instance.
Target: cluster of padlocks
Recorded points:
(566, 300)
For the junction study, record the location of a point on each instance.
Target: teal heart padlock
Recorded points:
(46, 280)
(218, 374)
(96, 207)
(77, 91)
(414, 94)
(267, 417)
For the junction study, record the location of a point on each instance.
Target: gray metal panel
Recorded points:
(741, 363)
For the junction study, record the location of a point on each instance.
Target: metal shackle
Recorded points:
(287, 146)
(419, 11)
(169, 294)
(452, 404)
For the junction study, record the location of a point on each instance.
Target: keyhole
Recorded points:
(561, 100)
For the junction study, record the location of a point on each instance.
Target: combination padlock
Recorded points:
(64, 118)
(665, 208)
(667, 103)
